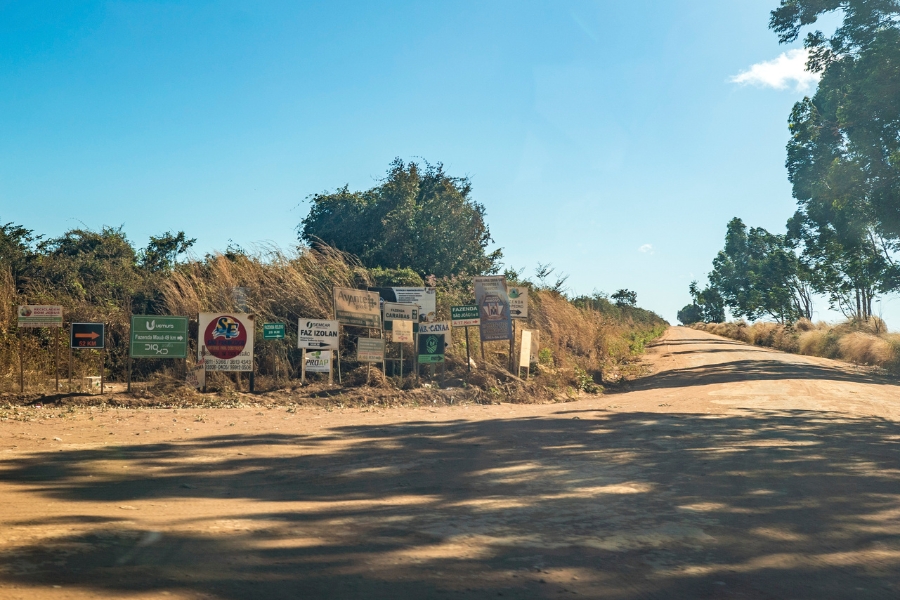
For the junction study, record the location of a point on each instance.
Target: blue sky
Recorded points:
(607, 138)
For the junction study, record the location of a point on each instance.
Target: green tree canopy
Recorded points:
(418, 217)
(758, 274)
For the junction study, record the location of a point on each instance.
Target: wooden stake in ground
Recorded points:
(102, 368)
(468, 360)
(303, 366)
(21, 363)
(56, 360)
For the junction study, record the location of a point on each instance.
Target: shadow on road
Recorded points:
(765, 504)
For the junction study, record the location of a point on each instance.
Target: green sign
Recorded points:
(153, 336)
(273, 331)
(431, 348)
(465, 316)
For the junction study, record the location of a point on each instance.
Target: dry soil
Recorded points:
(730, 472)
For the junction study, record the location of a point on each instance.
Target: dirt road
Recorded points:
(732, 472)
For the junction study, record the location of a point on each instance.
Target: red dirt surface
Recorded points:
(730, 472)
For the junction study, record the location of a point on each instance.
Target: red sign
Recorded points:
(225, 338)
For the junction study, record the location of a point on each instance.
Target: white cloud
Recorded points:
(780, 73)
(646, 249)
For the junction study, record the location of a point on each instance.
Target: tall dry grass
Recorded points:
(582, 346)
(859, 342)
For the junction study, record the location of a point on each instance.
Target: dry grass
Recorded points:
(582, 347)
(859, 342)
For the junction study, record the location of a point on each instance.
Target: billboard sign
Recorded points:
(158, 337)
(226, 341)
(493, 305)
(431, 347)
(317, 334)
(40, 315)
(370, 350)
(88, 336)
(518, 302)
(465, 316)
(423, 297)
(357, 307)
(318, 361)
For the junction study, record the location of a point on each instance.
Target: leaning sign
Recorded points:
(465, 316)
(425, 298)
(493, 304)
(226, 341)
(357, 307)
(317, 334)
(40, 315)
(158, 337)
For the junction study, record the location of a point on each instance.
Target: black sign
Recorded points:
(88, 335)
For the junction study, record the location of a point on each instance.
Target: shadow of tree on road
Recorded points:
(760, 504)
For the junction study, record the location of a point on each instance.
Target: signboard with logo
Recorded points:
(431, 347)
(88, 336)
(439, 327)
(40, 315)
(424, 298)
(318, 361)
(273, 331)
(493, 306)
(394, 311)
(357, 307)
(317, 334)
(403, 332)
(158, 337)
(370, 350)
(518, 302)
(465, 316)
(226, 341)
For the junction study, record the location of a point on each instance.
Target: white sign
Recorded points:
(525, 350)
(518, 302)
(394, 311)
(196, 376)
(40, 315)
(318, 361)
(226, 341)
(423, 297)
(357, 307)
(403, 332)
(317, 334)
(443, 327)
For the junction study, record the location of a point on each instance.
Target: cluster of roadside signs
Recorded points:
(226, 339)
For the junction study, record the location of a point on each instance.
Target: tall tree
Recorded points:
(843, 157)
(759, 274)
(418, 217)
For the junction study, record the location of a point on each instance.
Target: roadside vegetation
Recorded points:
(860, 342)
(843, 162)
(101, 276)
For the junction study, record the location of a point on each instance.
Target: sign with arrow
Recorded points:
(90, 336)
(518, 302)
(273, 331)
(153, 336)
(317, 334)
